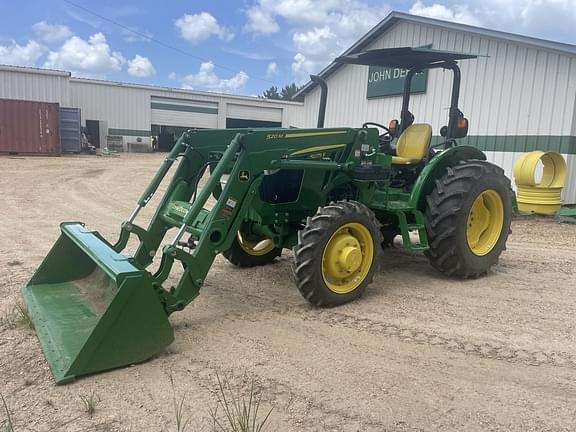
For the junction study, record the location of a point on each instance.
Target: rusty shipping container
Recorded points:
(29, 128)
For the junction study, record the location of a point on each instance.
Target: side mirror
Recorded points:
(461, 128)
(444, 131)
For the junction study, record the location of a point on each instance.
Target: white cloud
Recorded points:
(136, 35)
(21, 55)
(141, 67)
(206, 79)
(249, 53)
(260, 21)
(315, 42)
(302, 66)
(320, 30)
(86, 58)
(198, 27)
(271, 69)
(548, 19)
(315, 48)
(51, 33)
(262, 15)
(459, 13)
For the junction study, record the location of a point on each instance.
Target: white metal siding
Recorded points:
(517, 90)
(184, 119)
(254, 112)
(169, 112)
(35, 86)
(122, 107)
(293, 115)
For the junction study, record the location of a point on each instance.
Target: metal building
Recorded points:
(520, 97)
(125, 116)
(131, 113)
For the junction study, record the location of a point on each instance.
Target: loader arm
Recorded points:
(245, 159)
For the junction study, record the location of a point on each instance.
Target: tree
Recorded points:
(287, 92)
(271, 93)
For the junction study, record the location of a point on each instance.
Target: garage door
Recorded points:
(251, 112)
(184, 112)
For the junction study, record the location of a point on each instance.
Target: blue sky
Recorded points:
(239, 47)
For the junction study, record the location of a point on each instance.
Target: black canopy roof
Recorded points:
(403, 57)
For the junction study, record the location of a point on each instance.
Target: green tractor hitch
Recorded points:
(332, 195)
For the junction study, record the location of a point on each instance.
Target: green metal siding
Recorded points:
(183, 108)
(128, 132)
(519, 143)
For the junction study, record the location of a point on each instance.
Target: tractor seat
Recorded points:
(413, 144)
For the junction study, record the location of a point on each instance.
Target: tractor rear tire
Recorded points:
(468, 218)
(251, 252)
(337, 254)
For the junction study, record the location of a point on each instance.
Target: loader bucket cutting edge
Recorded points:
(93, 308)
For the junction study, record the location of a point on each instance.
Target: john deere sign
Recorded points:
(383, 81)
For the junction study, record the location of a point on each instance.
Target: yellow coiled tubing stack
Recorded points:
(542, 197)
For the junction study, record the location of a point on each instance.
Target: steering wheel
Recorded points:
(378, 125)
(384, 139)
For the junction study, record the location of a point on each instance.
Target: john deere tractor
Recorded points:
(332, 195)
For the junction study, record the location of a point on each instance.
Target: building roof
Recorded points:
(395, 17)
(33, 70)
(149, 87)
(274, 103)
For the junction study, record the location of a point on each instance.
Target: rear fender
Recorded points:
(436, 168)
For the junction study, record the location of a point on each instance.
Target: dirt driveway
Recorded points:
(418, 352)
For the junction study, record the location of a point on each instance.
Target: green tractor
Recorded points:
(334, 196)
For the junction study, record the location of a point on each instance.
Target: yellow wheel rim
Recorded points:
(485, 222)
(255, 248)
(347, 258)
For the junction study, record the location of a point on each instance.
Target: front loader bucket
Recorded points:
(92, 308)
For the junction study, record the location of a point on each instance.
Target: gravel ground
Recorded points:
(418, 352)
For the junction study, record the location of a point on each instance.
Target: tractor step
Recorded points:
(417, 225)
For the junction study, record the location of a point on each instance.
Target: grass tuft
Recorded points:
(17, 316)
(6, 425)
(240, 414)
(90, 402)
(23, 315)
(179, 416)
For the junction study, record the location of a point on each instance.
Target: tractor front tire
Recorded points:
(468, 218)
(251, 252)
(337, 254)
